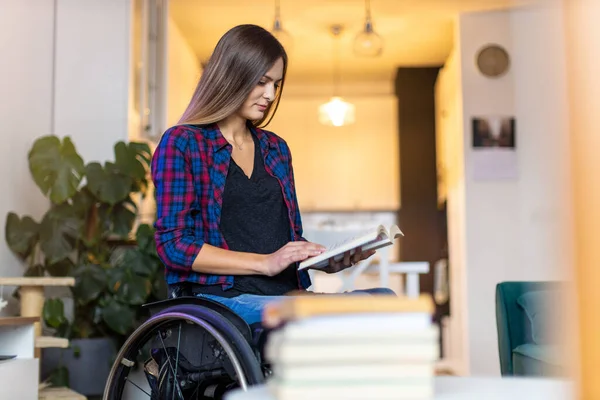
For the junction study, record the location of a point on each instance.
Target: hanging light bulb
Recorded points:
(281, 34)
(368, 43)
(336, 112)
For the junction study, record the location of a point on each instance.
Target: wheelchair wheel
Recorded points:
(184, 352)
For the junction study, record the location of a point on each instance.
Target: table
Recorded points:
(468, 388)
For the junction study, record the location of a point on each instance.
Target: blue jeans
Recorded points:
(250, 306)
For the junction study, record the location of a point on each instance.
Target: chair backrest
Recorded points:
(512, 324)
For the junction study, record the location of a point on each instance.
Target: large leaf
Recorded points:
(54, 313)
(118, 316)
(145, 238)
(123, 217)
(108, 184)
(129, 287)
(21, 234)
(83, 201)
(133, 159)
(117, 220)
(61, 268)
(90, 282)
(59, 229)
(131, 258)
(85, 206)
(35, 270)
(56, 167)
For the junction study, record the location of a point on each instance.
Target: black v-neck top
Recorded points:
(254, 218)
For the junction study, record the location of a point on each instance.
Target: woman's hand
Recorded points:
(347, 261)
(290, 253)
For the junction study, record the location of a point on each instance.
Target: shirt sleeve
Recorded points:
(178, 221)
(297, 218)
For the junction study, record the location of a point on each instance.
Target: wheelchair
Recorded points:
(189, 348)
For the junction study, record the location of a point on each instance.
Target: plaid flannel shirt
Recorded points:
(189, 169)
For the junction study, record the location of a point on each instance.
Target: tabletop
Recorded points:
(468, 388)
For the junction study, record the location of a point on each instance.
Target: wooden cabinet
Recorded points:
(347, 168)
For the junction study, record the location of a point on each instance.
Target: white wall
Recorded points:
(26, 28)
(92, 74)
(541, 108)
(67, 74)
(515, 229)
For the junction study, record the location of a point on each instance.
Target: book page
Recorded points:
(372, 239)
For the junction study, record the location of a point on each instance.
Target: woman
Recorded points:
(228, 225)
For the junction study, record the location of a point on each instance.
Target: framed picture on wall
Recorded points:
(494, 148)
(495, 131)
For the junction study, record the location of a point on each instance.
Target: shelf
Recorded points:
(36, 281)
(59, 393)
(42, 342)
(17, 321)
(32, 293)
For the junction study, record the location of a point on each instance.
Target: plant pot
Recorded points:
(88, 362)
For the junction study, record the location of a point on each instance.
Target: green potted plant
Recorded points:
(88, 233)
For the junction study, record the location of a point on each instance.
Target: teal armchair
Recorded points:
(525, 315)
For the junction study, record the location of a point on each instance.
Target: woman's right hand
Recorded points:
(290, 253)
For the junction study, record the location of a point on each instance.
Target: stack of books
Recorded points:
(351, 347)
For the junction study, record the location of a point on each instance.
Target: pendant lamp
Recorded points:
(336, 112)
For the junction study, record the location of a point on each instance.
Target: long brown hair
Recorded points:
(241, 58)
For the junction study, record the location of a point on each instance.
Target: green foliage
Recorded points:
(59, 377)
(87, 233)
(56, 167)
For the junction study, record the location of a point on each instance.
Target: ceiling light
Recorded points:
(281, 34)
(336, 112)
(368, 43)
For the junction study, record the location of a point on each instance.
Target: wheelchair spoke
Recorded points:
(137, 386)
(175, 381)
(177, 362)
(201, 355)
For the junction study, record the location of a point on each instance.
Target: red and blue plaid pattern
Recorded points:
(189, 169)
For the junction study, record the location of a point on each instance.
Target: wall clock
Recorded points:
(493, 61)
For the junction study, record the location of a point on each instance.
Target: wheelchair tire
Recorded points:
(239, 351)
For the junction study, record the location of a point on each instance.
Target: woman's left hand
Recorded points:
(347, 261)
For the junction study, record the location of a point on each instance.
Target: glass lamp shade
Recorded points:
(336, 112)
(282, 36)
(367, 43)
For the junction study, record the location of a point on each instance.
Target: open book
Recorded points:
(371, 240)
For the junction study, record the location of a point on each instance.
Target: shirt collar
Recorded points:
(213, 133)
